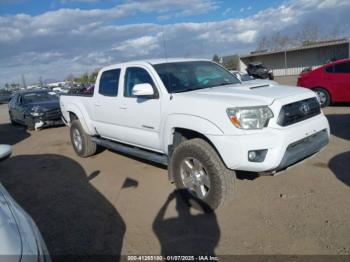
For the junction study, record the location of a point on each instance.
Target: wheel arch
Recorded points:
(324, 88)
(74, 113)
(181, 134)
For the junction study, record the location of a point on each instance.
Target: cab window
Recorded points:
(134, 76)
(109, 83)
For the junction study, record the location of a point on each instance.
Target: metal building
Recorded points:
(291, 61)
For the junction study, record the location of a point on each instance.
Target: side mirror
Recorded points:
(142, 90)
(5, 151)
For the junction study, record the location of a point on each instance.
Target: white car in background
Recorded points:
(20, 239)
(244, 77)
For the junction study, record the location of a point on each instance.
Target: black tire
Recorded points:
(11, 119)
(88, 147)
(29, 122)
(222, 180)
(324, 96)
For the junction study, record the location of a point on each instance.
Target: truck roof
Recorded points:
(155, 61)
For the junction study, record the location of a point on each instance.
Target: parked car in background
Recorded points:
(331, 82)
(20, 238)
(258, 70)
(244, 77)
(199, 119)
(90, 90)
(35, 109)
(60, 90)
(5, 96)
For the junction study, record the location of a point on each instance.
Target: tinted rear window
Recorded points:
(109, 82)
(329, 69)
(342, 68)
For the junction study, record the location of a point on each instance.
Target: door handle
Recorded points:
(123, 107)
(97, 104)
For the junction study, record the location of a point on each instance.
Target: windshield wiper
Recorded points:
(222, 84)
(186, 90)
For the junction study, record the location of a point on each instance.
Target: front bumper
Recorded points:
(40, 122)
(303, 148)
(280, 143)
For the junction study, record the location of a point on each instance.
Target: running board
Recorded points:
(133, 151)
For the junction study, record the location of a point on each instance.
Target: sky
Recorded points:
(57, 38)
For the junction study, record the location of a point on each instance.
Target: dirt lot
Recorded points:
(112, 204)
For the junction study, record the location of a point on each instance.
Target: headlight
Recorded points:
(250, 117)
(36, 111)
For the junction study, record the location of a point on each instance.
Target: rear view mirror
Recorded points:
(142, 90)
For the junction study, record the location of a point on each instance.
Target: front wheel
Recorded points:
(82, 143)
(29, 122)
(13, 122)
(196, 167)
(323, 97)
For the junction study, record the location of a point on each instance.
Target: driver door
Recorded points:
(141, 116)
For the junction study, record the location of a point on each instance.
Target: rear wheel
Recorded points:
(196, 167)
(323, 96)
(82, 143)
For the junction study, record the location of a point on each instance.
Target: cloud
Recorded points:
(79, 1)
(57, 43)
(227, 11)
(141, 46)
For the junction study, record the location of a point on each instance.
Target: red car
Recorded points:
(331, 82)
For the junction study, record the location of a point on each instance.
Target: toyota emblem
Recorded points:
(304, 108)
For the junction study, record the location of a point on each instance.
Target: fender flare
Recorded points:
(190, 122)
(81, 113)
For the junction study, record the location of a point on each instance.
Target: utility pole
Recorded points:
(24, 82)
(41, 83)
(285, 62)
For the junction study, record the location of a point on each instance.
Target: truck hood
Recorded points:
(262, 93)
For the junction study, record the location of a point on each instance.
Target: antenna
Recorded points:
(166, 58)
(164, 44)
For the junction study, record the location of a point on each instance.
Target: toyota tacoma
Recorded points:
(198, 119)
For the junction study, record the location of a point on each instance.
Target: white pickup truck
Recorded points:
(197, 118)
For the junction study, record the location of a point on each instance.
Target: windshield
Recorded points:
(188, 76)
(39, 97)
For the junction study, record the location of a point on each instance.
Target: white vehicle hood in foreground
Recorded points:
(245, 94)
(9, 234)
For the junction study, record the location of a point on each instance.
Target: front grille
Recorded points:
(53, 114)
(298, 111)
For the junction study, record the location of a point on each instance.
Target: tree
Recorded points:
(309, 34)
(279, 41)
(70, 78)
(337, 31)
(93, 76)
(232, 63)
(264, 44)
(216, 58)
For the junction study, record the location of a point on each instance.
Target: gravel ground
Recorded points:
(113, 204)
